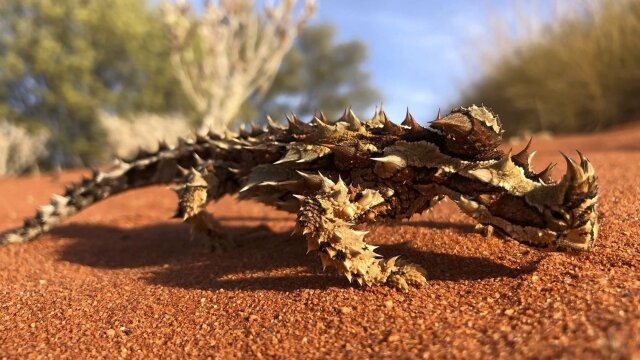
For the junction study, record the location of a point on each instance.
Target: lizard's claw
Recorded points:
(406, 275)
(219, 243)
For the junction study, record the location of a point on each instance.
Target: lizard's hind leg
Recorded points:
(326, 220)
(194, 196)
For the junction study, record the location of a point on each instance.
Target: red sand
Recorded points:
(120, 279)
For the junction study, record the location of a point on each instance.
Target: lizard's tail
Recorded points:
(145, 169)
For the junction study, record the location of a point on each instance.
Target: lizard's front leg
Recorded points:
(326, 220)
(192, 208)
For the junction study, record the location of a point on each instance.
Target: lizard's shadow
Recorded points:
(264, 259)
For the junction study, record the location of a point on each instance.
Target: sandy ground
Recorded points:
(121, 280)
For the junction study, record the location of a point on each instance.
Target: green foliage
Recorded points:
(318, 74)
(61, 61)
(581, 74)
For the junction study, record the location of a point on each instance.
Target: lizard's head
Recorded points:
(574, 219)
(535, 210)
(558, 215)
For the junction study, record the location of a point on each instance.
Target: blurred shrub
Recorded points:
(61, 61)
(229, 51)
(319, 73)
(20, 150)
(580, 73)
(125, 136)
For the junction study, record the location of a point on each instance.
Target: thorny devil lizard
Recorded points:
(337, 175)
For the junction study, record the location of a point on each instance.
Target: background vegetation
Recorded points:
(83, 76)
(78, 75)
(61, 61)
(579, 73)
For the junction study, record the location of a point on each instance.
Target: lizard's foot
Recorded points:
(214, 240)
(484, 230)
(327, 221)
(404, 275)
(206, 229)
(192, 203)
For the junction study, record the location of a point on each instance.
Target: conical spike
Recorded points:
(349, 276)
(574, 171)
(243, 133)
(583, 159)
(272, 125)
(326, 261)
(392, 159)
(320, 115)
(142, 153)
(201, 138)
(183, 171)
(163, 145)
(391, 263)
(213, 135)
(308, 177)
(297, 126)
(586, 165)
(378, 117)
(297, 120)
(526, 147)
(504, 163)
(228, 134)
(342, 151)
(327, 184)
(46, 210)
(366, 199)
(247, 187)
(545, 175)
(411, 122)
(321, 125)
(341, 184)
(255, 129)
(438, 115)
(198, 159)
(523, 158)
(353, 121)
(344, 114)
(59, 200)
(292, 123)
(319, 122)
(391, 127)
(530, 158)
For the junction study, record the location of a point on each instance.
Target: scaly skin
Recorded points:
(336, 175)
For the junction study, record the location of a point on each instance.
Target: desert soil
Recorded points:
(122, 280)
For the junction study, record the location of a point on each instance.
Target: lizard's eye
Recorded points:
(557, 215)
(556, 219)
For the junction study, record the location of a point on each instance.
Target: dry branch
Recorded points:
(230, 52)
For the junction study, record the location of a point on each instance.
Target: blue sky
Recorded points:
(419, 51)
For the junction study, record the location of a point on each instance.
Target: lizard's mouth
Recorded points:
(580, 238)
